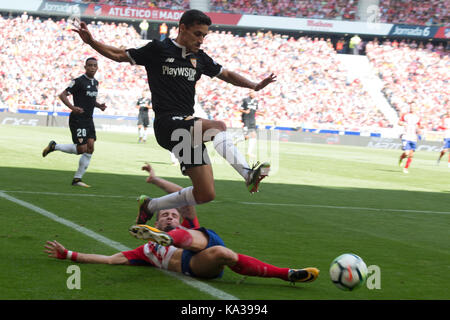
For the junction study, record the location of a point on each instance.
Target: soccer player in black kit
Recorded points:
(84, 90)
(173, 67)
(143, 104)
(249, 109)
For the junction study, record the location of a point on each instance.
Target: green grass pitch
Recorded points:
(320, 202)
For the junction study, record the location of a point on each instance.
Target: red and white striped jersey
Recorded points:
(412, 123)
(159, 256)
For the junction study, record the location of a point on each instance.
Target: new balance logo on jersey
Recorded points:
(186, 72)
(170, 60)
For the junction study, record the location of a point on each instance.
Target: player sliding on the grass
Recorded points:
(184, 247)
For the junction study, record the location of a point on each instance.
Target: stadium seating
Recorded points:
(413, 73)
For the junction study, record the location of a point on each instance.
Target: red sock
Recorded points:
(181, 238)
(249, 266)
(408, 162)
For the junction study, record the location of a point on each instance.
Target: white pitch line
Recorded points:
(118, 246)
(340, 207)
(242, 202)
(69, 194)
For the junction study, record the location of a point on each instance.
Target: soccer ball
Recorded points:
(348, 271)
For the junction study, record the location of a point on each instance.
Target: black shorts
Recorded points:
(179, 135)
(143, 120)
(82, 130)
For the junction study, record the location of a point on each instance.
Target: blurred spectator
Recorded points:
(355, 41)
(163, 31)
(144, 28)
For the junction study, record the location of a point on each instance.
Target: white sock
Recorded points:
(140, 132)
(251, 145)
(144, 136)
(83, 164)
(67, 148)
(184, 197)
(223, 143)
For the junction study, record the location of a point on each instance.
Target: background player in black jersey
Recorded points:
(249, 109)
(173, 68)
(143, 104)
(84, 90)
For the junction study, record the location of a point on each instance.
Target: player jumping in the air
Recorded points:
(173, 67)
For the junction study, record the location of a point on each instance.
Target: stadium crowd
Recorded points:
(314, 90)
(335, 9)
(40, 57)
(414, 72)
(433, 12)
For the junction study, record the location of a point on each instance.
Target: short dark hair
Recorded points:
(193, 16)
(88, 59)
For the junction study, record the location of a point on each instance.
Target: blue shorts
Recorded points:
(403, 144)
(446, 143)
(409, 145)
(214, 240)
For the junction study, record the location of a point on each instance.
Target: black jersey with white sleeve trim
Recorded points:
(172, 74)
(84, 91)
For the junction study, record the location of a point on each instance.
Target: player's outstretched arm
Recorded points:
(56, 250)
(240, 81)
(113, 53)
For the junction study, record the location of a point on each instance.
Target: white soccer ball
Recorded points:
(348, 271)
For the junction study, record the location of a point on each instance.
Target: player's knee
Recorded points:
(221, 126)
(224, 255)
(82, 149)
(205, 196)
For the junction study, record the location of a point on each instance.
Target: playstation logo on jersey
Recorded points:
(91, 93)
